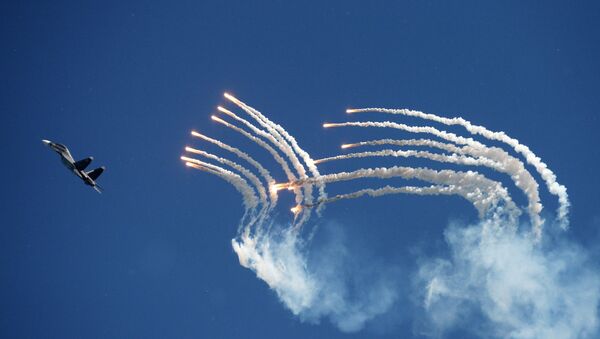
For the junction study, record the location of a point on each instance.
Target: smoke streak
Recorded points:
(241, 185)
(277, 141)
(521, 177)
(387, 190)
(245, 172)
(452, 158)
(549, 177)
(284, 166)
(485, 193)
(264, 145)
(491, 157)
(407, 142)
(498, 281)
(307, 159)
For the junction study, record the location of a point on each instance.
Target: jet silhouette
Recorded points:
(78, 167)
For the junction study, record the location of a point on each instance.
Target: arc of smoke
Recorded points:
(412, 129)
(242, 155)
(260, 188)
(304, 155)
(549, 177)
(284, 166)
(387, 190)
(276, 140)
(275, 130)
(490, 157)
(279, 259)
(510, 165)
(452, 158)
(449, 147)
(485, 193)
(247, 209)
(239, 183)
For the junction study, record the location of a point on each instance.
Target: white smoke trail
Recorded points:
(278, 138)
(549, 177)
(412, 129)
(258, 141)
(249, 175)
(387, 190)
(283, 147)
(507, 163)
(407, 142)
(241, 185)
(284, 166)
(305, 156)
(242, 155)
(485, 193)
(515, 285)
(452, 158)
(485, 156)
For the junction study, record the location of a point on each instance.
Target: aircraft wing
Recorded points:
(83, 163)
(94, 174)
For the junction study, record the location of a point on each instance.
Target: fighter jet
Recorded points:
(78, 167)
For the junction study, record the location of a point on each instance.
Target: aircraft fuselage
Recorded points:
(70, 163)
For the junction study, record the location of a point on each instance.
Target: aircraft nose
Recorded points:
(47, 142)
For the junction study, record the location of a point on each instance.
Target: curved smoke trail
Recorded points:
(499, 270)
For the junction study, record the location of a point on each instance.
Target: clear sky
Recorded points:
(125, 82)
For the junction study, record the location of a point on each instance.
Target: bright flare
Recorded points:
(277, 187)
(217, 119)
(226, 111)
(231, 98)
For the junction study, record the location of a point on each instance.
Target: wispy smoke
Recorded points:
(519, 288)
(329, 281)
(501, 279)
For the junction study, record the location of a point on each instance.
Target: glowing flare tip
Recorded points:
(351, 110)
(224, 110)
(217, 119)
(296, 209)
(187, 159)
(277, 187)
(231, 98)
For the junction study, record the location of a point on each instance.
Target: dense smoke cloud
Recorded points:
(520, 288)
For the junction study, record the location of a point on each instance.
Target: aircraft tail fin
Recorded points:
(83, 163)
(94, 174)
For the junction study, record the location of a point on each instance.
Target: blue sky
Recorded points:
(125, 82)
